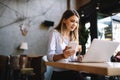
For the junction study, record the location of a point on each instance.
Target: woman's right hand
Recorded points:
(67, 52)
(80, 57)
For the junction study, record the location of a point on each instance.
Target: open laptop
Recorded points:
(100, 51)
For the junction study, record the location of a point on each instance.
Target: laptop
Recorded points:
(100, 51)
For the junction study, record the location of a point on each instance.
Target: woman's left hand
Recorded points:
(79, 49)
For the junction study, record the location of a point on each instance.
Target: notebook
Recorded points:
(100, 51)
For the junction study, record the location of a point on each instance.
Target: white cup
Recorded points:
(73, 45)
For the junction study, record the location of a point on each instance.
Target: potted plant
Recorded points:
(83, 37)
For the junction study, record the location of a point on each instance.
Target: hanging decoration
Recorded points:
(24, 27)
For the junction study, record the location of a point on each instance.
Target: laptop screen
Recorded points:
(100, 51)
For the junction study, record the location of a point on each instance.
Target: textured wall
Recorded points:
(31, 13)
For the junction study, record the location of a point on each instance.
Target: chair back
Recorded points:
(39, 67)
(4, 67)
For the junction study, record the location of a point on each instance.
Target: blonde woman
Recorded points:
(58, 49)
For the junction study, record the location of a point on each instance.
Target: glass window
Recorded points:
(109, 27)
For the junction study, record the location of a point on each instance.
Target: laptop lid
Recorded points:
(100, 51)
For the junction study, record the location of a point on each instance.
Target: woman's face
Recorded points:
(71, 23)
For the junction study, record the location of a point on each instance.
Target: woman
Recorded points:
(58, 49)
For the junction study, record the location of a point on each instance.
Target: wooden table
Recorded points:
(109, 68)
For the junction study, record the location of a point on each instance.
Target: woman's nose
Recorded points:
(75, 24)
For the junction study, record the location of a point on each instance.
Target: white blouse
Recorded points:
(56, 45)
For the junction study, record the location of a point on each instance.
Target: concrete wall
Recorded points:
(31, 13)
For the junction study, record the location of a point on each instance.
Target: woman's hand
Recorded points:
(80, 57)
(67, 52)
(79, 49)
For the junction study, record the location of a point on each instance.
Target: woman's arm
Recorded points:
(66, 54)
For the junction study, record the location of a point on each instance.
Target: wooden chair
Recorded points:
(39, 67)
(30, 68)
(4, 67)
(14, 67)
(20, 70)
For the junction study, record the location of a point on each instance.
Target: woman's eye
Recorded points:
(72, 20)
(77, 22)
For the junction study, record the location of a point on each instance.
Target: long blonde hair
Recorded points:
(61, 26)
